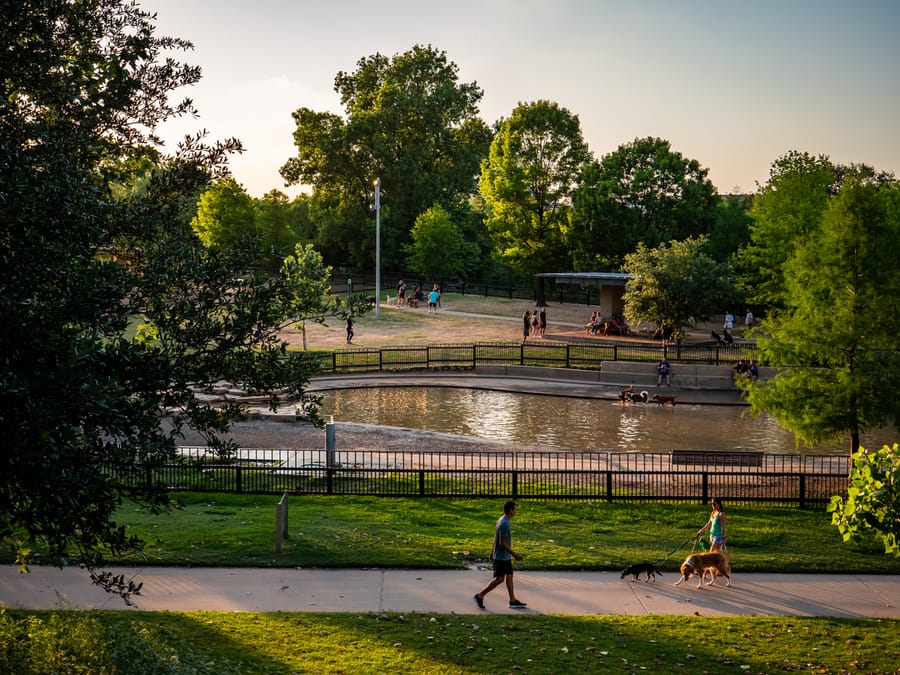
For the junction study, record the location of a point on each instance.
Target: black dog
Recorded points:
(629, 395)
(635, 571)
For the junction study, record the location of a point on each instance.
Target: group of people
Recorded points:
(534, 323)
(502, 552)
(744, 369)
(418, 296)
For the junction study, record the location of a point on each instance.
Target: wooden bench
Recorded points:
(717, 457)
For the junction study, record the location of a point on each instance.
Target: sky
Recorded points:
(731, 84)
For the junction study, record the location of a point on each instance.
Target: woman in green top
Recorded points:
(715, 525)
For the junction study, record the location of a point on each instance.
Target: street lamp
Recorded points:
(377, 248)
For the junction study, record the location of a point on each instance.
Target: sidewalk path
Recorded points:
(450, 591)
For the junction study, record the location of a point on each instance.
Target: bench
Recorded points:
(717, 457)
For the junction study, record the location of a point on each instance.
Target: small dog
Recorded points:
(662, 399)
(629, 395)
(639, 568)
(700, 563)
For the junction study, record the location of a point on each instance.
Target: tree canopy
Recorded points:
(97, 237)
(527, 183)
(409, 121)
(839, 328)
(438, 249)
(674, 284)
(644, 192)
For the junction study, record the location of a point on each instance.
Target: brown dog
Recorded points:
(662, 399)
(700, 563)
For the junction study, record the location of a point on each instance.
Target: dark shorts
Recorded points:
(502, 568)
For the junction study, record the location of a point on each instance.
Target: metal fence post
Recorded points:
(238, 482)
(515, 484)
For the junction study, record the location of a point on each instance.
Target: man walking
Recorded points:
(502, 555)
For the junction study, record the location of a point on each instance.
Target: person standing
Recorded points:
(502, 555)
(349, 330)
(543, 321)
(729, 321)
(526, 324)
(748, 319)
(715, 525)
(433, 298)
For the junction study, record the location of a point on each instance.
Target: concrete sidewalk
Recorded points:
(450, 591)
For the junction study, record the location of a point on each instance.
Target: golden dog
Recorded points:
(700, 563)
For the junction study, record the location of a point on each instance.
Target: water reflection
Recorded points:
(572, 423)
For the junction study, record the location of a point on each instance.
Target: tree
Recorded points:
(279, 223)
(311, 298)
(225, 214)
(786, 211)
(409, 121)
(97, 234)
(438, 249)
(674, 284)
(527, 184)
(644, 192)
(839, 329)
(872, 507)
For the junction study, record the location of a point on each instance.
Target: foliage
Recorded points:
(872, 507)
(223, 643)
(732, 227)
(224, 214)
(840, 322)
(644, 192)
(97, 237)
(674, 284)
(785, 211)
(409, 121)
(527, 184)
(438, 249)
(310, 298)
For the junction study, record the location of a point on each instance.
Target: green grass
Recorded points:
(328, 531)
(221, 643)
(238, 530)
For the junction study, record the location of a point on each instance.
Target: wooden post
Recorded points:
(281, 522)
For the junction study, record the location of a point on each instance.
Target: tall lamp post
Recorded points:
(377, 248)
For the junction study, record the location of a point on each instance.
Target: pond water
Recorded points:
(573, 423)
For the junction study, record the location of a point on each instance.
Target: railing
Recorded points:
(547, 353)
(614, 477)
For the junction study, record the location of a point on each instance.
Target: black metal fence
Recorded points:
(548, 354)
(799, 480)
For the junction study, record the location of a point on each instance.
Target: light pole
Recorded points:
(377, 248)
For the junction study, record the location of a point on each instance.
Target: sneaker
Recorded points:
(517, 604)
(478, 601)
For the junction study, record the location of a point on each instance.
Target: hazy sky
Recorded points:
(732, 84)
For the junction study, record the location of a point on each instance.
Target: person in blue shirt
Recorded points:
(502, 555)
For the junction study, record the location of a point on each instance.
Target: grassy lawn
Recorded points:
(220, 643)
(238, 530)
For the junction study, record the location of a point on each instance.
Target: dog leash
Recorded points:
(680, 546)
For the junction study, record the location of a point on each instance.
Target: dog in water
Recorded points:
(717, 564)
(629, 395)
(637, 569)
(662, 399)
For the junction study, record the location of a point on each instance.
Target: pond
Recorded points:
(573, 423)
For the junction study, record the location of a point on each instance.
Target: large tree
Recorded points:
(838, 323)
(437, 249)
(96, 236)
(527, 183)
(674, 284)
(409, 121)
(644, 192)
